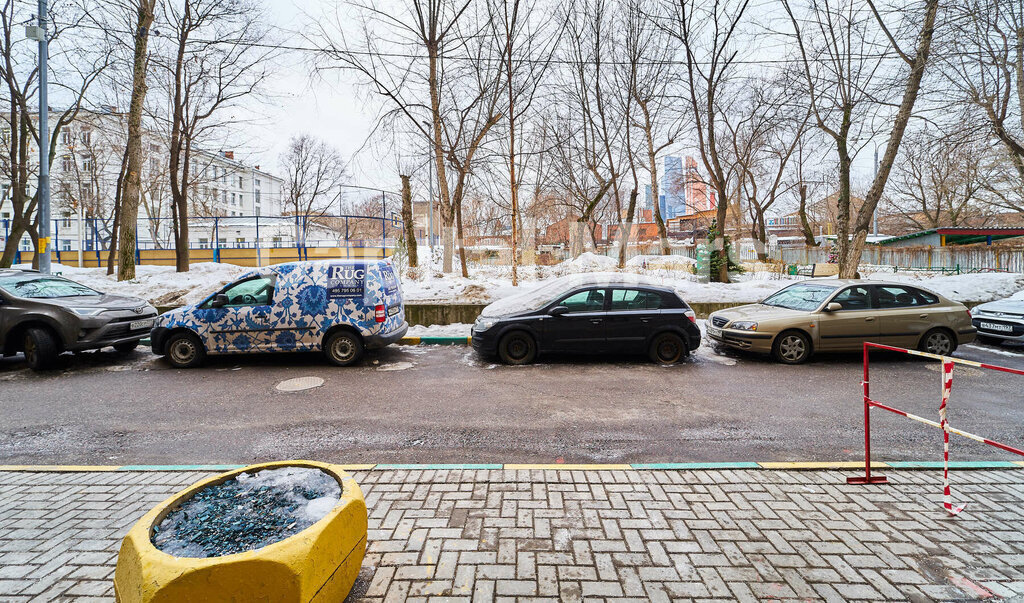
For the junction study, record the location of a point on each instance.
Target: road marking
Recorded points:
(570, 466)
(683, 466)
(59, 468)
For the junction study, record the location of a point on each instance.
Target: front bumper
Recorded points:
(485, 343)
(380, 340)
(1016, 332)
(743, 340)
(94, 334)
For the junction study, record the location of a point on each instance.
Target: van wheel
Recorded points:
(343, 348)
(184, 350)
(517, 347)
(667, 348)
(792, 347)
(939, 342)
(40, 347)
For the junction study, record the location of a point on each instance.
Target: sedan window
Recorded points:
(897, 297)
(591, 300)
(854, 298)
(634, 299)
(805, 297)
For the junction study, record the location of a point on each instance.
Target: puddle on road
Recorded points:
(397, 366)
(299, 384)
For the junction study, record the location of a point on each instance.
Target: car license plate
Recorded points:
(991, 326)
(135, 325)
(714, 332)
(393, 310)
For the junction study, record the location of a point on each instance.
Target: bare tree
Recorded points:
(847, 87)
(81, 62)
(218, 55)
(709, 36)
(314, 172)
(409, 231)
(131, 188)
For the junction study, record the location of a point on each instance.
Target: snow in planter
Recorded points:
(247, 512)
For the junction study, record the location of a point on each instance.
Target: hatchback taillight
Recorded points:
(380, 313)
(691, 316)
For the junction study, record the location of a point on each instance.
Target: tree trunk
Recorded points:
(804, 223)
(721, 215)
(462, 241)
(625, 233)
(407, 223)
(17, 231)
(848, 265)
(130, 192)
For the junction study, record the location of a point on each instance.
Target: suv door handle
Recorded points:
(645, 320)
(596, 321)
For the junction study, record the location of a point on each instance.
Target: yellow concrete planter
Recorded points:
(319, 564)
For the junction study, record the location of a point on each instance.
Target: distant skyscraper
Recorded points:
(673, 200)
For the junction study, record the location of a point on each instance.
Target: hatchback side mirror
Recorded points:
(558, 310)
(219, 301)
(834, 307)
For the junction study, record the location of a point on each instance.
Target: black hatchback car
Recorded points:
(589, 314)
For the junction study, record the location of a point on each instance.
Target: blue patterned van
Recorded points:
(338, 306)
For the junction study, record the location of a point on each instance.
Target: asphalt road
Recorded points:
(444, 405)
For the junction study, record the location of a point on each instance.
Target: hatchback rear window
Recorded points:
(43, 286)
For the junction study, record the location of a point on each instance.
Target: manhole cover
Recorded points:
(299, 384)
(398, 366)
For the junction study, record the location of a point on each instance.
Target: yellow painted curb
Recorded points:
(319, 564)
(59, 468)
(571, 467)
(1021, 463)
(822, 465)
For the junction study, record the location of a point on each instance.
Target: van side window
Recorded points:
(258, 291)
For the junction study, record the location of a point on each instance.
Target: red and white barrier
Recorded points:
(943, 423)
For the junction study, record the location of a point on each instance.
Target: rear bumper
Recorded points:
(380, 340)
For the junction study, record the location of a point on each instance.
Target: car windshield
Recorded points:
(42, 286)
(800, 297)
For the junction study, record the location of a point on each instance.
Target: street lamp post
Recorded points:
(39, 33)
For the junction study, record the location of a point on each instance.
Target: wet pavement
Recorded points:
(430, 404)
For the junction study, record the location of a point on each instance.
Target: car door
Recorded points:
(629, 320)
(849, 327)
(582, 328)
(903, 315)
(242, 324)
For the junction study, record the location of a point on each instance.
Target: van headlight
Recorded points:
(743, 325)
(482, 324)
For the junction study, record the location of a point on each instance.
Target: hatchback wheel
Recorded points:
(792, 347)
(184, 350)
(667, 348)
(40, 347)
(343, 348)
(517, 347)
(939, 342)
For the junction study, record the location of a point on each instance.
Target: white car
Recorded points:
(1001, 320)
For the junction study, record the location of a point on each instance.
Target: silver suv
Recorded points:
(43, 315)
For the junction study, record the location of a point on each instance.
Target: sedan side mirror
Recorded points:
(219, 301)
(834, 307)
(558, 310)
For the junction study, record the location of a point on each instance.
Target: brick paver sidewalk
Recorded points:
(645, 535)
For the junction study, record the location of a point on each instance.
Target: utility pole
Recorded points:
(43, 250)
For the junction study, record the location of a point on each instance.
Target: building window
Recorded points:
(232, 198)
(88, 164)
(154, 164)
(204, 242)
(256, 196)
(86, 137)
(240, 185)
(224, 196)
(66, 136)
(222, 242)
(65, 244)
(66, 163)
(240, 242)
(66, 222)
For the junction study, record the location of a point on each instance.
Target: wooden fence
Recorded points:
(951, 258)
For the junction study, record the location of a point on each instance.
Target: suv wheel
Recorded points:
(40, 347)
(792, 347)
(667, 348)
(184, 350)
(517, 347)
(939, 342)
(343, 348)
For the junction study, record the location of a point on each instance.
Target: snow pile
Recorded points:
(457, 329)
(977, 287)
(588, 262)
(159, 285)
(677, 263)
(247, 512)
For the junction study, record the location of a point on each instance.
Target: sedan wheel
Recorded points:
(517, 347)
(792, 348)
(938, 342)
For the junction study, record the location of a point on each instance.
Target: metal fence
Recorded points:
(219, 238)
(948, 259)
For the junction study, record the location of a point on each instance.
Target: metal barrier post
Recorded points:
(867, 478)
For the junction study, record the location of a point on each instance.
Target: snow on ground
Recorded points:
(161, 285)
(458, 329)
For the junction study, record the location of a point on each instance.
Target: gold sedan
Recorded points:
(839, 316)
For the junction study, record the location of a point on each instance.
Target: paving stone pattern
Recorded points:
(568, 535)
